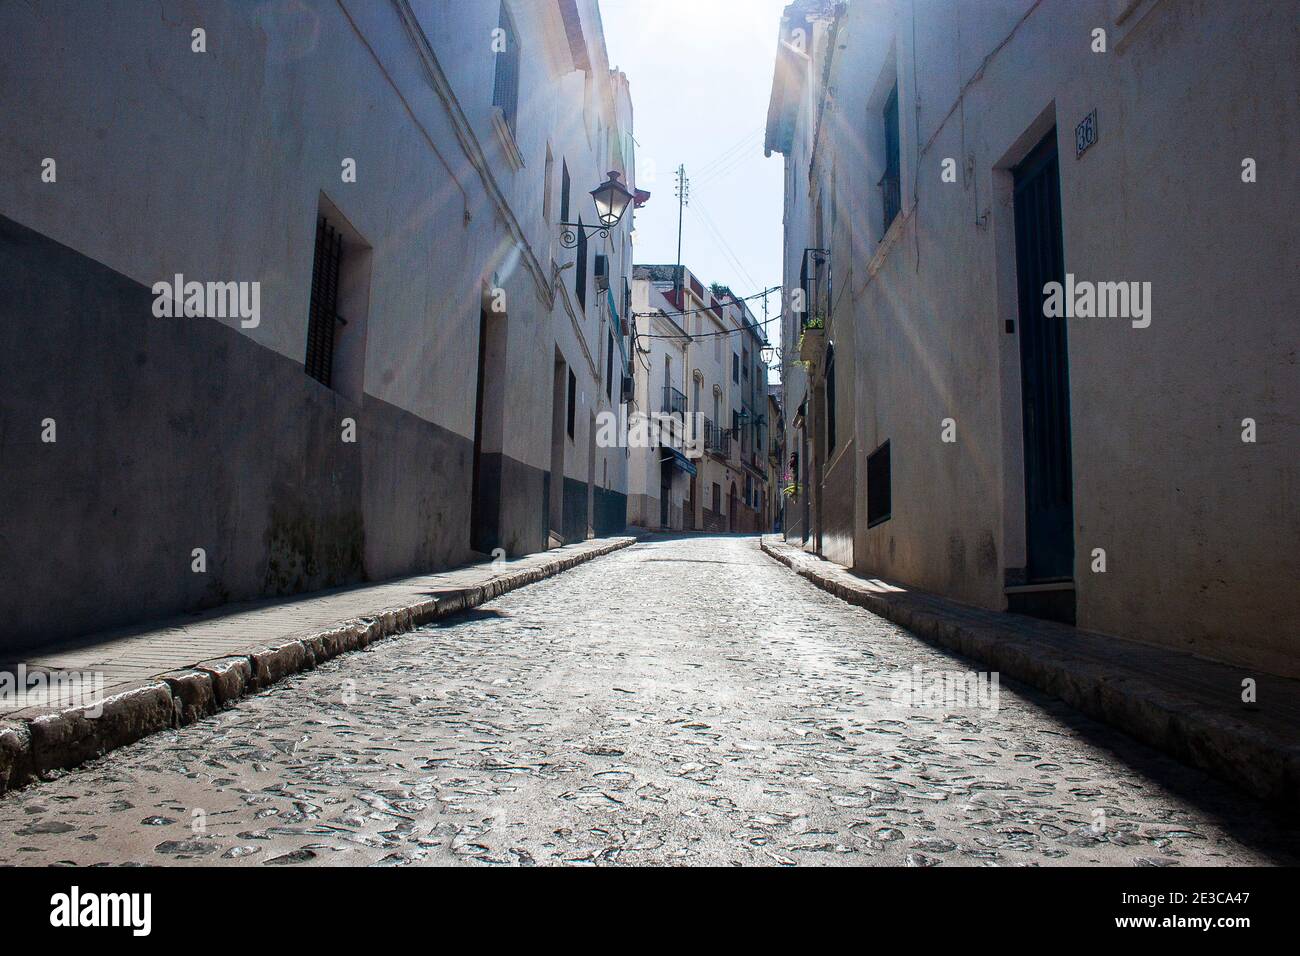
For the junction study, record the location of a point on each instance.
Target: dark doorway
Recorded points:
(732, 506)
(489, 415)
(1044, 370)
(665, 487)
(688, 513)
(805, 486)
(560, 398)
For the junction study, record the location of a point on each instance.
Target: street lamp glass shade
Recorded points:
(612, 200)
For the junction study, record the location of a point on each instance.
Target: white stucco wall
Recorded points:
(1198, 527)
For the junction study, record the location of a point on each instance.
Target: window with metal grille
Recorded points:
(573, 401)
(830, 400)
(807, 292)
(505, 92)
(735, 368)
(890, 186)
(879, 503)
(323, 315)
(580, 273)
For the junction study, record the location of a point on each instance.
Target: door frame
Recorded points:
(1045, 371)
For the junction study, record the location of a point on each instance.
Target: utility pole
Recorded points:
(683, 200)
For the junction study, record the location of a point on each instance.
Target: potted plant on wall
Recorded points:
(813, 339)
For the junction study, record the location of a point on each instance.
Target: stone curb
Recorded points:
(62, 739)
(1247, 756)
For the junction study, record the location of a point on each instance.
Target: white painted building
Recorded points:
(1135, 473)
(421, 383)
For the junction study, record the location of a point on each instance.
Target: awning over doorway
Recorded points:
(680, 460)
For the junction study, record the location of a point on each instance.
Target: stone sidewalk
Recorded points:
(1187, 706)
(110, 689)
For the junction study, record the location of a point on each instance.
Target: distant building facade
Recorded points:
(699, 369)
(386, 183)
(778, 479)
(1027, 363)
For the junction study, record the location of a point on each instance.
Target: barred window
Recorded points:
(505, 92)
(323, 310)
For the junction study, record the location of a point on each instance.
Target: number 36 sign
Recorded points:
(1085, 134)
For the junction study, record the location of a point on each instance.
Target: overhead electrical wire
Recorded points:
(748, 298)
(706, 335)
(730, 153)
(725, 246)
(729, 167)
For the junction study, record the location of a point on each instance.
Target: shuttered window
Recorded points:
(580, 273)
(573, 402)
(505, 92)
(830, 400)
(609, 366)
(564, 191)
(323, 311)
(890, 184)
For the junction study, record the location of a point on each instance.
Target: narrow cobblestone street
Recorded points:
(682, 701)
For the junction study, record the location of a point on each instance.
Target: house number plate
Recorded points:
(1085, 134)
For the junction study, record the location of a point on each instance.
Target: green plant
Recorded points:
(792, 490)
(818, 321)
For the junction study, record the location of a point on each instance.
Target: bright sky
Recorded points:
(701, 72)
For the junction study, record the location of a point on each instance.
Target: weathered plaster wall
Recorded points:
(214, 166)
(183, 434)
(1198, 527)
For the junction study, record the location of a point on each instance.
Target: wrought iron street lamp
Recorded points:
(612, 199)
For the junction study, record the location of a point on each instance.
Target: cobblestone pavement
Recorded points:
(683, 701)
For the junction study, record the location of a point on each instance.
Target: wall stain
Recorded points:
(306, 553)
(986, 555)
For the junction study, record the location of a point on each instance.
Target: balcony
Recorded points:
(674, 402)
(717, 441)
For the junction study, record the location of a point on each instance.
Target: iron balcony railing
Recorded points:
(717, 441)
(674, 402)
